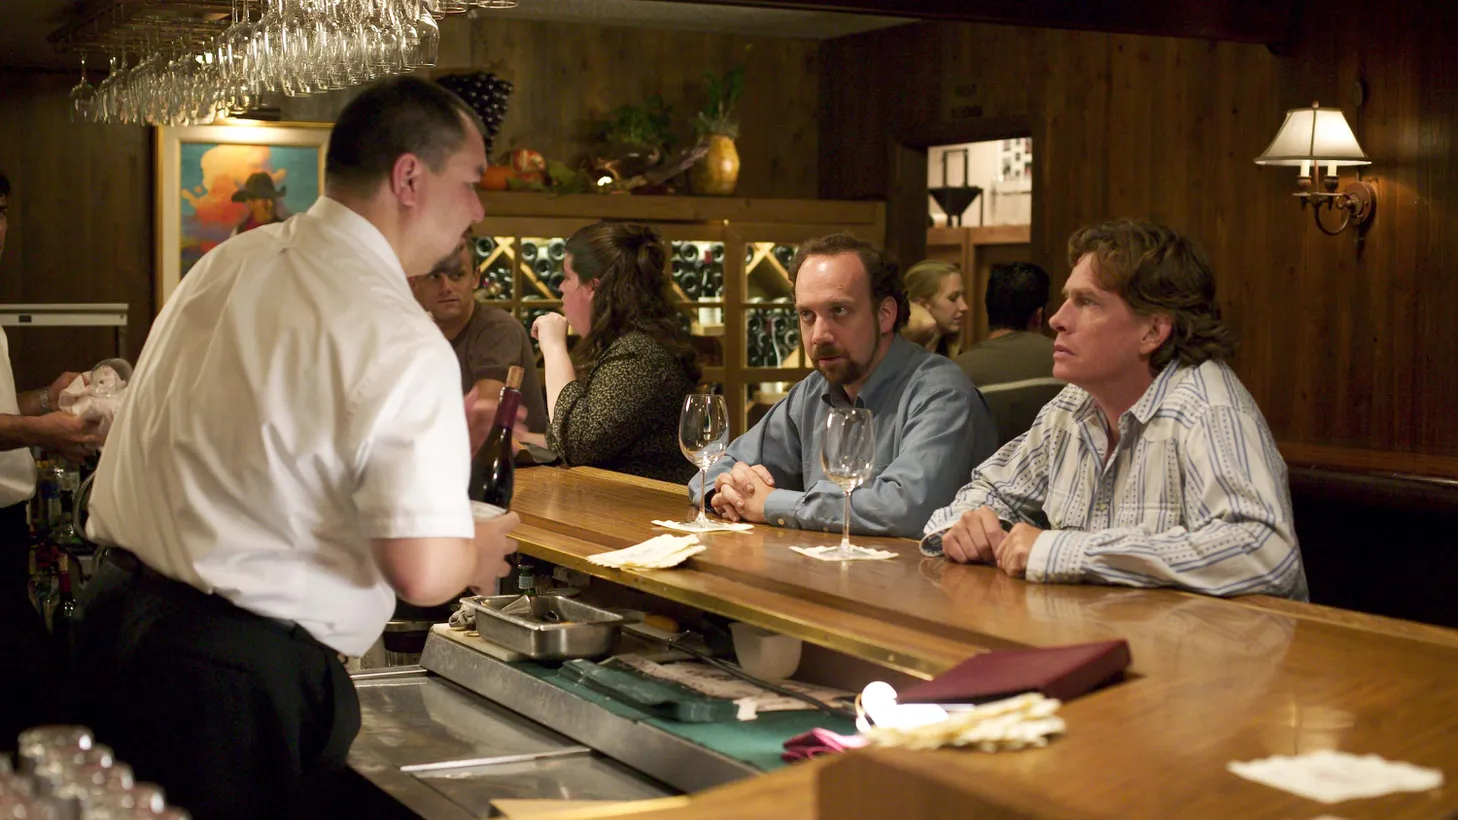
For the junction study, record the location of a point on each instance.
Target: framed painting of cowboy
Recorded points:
(217, 181)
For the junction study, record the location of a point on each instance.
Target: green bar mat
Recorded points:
(757, 742)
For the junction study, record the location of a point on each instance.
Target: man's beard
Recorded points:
(841, 373)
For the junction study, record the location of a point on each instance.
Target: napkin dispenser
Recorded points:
(1061, 672)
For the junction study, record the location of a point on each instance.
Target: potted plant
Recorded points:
(718, 171)
(637, 136)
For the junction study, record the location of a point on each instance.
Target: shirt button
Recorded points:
(780, 522)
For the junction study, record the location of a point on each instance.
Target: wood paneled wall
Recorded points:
(568, 75)
(80, 223)
(565, 75)
(1352, 357)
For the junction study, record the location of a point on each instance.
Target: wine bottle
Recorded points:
(493, 476)
(66, 614)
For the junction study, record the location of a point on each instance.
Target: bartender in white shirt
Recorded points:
(292, 454)
(26, 419)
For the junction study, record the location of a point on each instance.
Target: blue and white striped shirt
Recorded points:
(1194, 495)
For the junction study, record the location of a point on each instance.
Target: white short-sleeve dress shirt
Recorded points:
(17, 468)
(291, 404)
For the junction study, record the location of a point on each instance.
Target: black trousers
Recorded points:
(233, 714)
(29, 664)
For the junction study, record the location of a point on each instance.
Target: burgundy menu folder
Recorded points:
(1062, 672)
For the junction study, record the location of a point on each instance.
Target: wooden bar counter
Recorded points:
(1212, 680)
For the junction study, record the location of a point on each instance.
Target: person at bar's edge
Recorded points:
(29, 666)
(1154, 467)
(293, 454)
(931, 423)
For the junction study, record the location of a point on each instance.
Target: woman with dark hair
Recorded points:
(623, 413)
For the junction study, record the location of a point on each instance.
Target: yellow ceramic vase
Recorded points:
(717, 172)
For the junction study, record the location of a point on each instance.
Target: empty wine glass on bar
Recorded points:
(848, 457)
(703, 435)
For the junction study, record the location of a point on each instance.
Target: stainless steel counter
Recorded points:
(446, 753)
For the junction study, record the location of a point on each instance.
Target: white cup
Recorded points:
(765, 654)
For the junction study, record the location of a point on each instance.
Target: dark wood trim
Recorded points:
(906, 208)
(1241, 21)
(1408, 466)
(932, 134)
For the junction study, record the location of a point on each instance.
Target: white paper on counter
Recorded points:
(714, 682)
(712, 526)
(1331, 777)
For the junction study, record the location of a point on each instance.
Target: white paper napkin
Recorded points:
(857, 553)
(1331, 777)
(712, 526)
(1019, 722)
(659, 552)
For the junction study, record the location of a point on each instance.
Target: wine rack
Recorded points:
(493, 258)
(728, 270)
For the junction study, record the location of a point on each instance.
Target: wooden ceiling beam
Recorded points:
(1268, 22)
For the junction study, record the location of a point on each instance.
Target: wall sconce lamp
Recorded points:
(1315, 137)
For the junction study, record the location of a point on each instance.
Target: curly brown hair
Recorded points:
(630, 265)
(1158, 271)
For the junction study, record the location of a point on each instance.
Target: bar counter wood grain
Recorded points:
(1212, 680)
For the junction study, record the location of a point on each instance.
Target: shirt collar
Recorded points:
(1144, 409)
(896, 355)
(341, 219)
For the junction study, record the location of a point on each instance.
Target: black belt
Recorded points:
(128, 562)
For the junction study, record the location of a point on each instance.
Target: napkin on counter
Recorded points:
(713, 526)
(660, 552)
(1020, 722)
(1331, 777)
(857, 554)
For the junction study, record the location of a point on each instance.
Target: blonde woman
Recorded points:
(937, 306)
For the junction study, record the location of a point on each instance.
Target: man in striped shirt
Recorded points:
(1154, 467)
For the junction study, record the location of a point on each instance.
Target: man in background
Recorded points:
(29, 419)
(487, 339)
(1013, 366)
(932, 427)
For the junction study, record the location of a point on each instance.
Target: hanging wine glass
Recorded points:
(428, 32)
(82, 95)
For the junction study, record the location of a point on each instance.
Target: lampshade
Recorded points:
(1314, 135)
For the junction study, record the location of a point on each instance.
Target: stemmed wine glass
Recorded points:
(82, 96)
(848, 457)
(703, 435)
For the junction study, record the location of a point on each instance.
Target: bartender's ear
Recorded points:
(405, 177)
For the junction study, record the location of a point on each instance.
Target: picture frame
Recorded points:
(215, 181)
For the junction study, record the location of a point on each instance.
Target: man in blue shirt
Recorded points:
(932, 425)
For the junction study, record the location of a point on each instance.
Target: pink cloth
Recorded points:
(817, 742)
